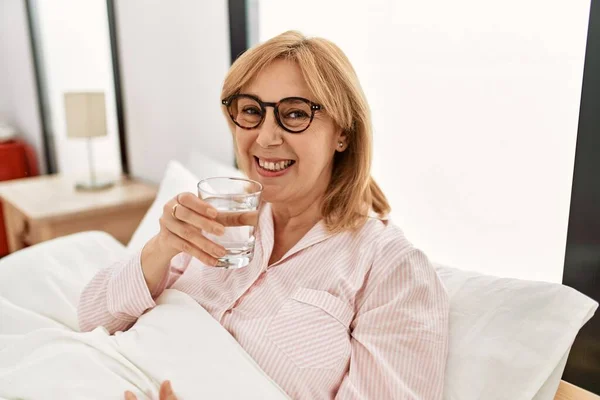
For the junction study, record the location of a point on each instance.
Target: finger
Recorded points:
(130, 396)
(194, 236)
(193, 202)
(184, 246)
(238, 218)
(182, 213)
(166, 391)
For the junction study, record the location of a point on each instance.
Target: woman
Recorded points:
(336, 302)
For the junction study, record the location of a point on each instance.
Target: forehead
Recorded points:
(279, 79)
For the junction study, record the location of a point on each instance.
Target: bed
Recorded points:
(509, 339)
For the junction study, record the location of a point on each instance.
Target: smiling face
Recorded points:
(290, 166)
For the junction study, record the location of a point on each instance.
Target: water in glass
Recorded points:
(238, 213)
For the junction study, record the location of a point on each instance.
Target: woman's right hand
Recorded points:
(183, 220)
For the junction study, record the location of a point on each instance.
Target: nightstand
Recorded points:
(567, 391)
(45, 207)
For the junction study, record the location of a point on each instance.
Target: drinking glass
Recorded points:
(237, 201)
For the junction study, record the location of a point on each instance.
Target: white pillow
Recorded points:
(177, 179)
(508, 337)
(206, 167)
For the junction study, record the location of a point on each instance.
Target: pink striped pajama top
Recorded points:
(351, 316)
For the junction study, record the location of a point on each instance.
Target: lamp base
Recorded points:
(92, 186)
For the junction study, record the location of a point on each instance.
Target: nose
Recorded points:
(269, 132)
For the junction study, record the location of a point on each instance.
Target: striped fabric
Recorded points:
(351, 316)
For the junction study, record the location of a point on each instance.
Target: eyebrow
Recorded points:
(286, 97)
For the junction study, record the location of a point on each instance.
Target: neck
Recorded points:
(302, 215)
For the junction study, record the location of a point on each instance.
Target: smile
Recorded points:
(273, 168)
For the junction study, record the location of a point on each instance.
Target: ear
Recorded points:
(341, 142)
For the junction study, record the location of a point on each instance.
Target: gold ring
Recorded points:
(173, 210)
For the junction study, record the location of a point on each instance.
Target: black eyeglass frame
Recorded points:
(264, 104)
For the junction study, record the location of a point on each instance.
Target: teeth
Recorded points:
(274, 166)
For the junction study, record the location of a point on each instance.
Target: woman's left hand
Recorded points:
(166, 393)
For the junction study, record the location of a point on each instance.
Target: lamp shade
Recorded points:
(85, 114)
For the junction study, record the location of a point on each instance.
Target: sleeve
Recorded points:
(118, 295)
(399, 341)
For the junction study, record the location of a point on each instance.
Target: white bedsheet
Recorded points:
(43, 356)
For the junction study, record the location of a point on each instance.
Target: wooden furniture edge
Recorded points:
(95, 211)
(152, 189)
(568, 391)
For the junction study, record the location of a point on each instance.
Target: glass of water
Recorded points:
(236, 201)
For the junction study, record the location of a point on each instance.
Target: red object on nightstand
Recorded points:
(17, 160)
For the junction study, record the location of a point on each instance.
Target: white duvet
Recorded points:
(43, 356)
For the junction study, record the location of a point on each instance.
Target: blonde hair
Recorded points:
(352, 192)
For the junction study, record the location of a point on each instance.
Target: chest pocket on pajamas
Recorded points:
(312, 329)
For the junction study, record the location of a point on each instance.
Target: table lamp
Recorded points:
(86, 118)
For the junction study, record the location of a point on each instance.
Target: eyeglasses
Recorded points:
(293, 114)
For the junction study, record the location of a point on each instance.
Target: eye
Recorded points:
(251, 110)
(296, 114)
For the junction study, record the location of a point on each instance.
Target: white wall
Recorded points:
(174, 56)
(18, 94)
(475, 108)
(5, 89)
(76, 50)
